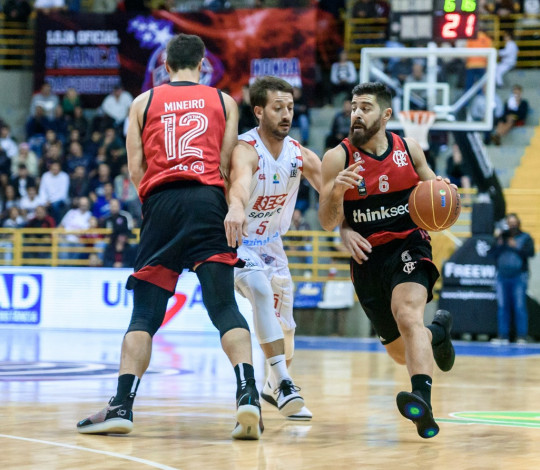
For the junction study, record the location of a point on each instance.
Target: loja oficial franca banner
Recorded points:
(94, 52)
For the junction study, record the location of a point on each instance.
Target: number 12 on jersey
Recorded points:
(184, 147)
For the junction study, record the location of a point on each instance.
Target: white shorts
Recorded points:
(272, 261)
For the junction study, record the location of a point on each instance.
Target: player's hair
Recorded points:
(258, 92)
(184, 51)
(381, 92)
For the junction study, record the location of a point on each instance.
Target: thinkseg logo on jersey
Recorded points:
(400, 158)
(380, 214)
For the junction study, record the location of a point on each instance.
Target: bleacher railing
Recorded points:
(17, 43)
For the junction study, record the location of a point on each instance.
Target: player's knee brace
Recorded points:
(149, 307)
(226, 316)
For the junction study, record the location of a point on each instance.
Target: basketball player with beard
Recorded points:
(266, 168)
(367, 180)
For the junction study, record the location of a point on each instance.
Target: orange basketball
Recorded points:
(434, 205)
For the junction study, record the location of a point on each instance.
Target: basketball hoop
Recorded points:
(416, 124)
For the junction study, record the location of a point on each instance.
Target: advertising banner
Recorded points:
(93, 52)
(94, 298)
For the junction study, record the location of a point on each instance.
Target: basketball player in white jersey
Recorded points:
(266, 167)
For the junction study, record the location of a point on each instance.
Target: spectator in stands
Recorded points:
(52, 155)
(75, 157)
(508, 58)
(515, 113)
(364, 9)
(37, 123)
(476, 65)
(301, 115)
(5, 163)
(51, 140)
(115, 108)
(54, 190)
(400, 69)
(44, 99)
(340, 125)
(127, 194)
(117, 220)
(77, 218)
(17, 10)
(70, 101)
(101, 208)
(7, 142)
(78, 122)
(119, 253)
(98, 182)
(247, 119)
(73, 136)
(477, 110)
(59, 123)
(115, 150)
(456, 169)
(41, 219)
(512, 250)
(9, 200)
(30, 202)
(343, 75)
(93, 143)
(78, 183)
(418, 76)
(14, 219)
(22, 180)
(27, 157)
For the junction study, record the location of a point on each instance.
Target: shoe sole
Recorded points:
(247, 425)
(110, 426)
(291, 407)
(295, 416)
(300, 417)
(417, 410)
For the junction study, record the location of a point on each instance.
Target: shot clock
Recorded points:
(455, 19)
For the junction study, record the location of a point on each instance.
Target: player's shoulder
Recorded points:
(336, 153)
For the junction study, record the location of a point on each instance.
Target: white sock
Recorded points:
(278, 370)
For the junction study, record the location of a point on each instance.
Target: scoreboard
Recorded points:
(434, 20)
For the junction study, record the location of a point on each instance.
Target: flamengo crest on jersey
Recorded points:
(273, 192)
(379, 211)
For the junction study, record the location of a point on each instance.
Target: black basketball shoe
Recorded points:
(419, 412)
(116, 419)
(249, 424)
(443, 352)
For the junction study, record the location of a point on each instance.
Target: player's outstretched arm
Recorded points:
(135, 154)
(420, 163)
(335, 182)
(312, 168)
(244, 162)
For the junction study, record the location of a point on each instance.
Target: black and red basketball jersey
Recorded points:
(183, 129)
(379, 211)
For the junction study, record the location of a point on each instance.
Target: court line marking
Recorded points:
(95, 451)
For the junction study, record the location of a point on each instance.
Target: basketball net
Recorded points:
(416, 124)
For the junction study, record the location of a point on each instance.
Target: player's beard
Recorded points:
(280, 133)
(363, 135)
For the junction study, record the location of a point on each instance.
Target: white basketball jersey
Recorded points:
(273, 192)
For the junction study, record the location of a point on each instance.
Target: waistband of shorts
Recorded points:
(180, 184)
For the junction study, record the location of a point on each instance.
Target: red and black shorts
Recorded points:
(396, 262)
(182, 227)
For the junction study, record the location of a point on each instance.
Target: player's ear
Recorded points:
(199, 67)
(258, 111)
(167, 67)
(387, 114)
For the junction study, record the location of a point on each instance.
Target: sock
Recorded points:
(244, 372)
(278, 369)
(127, 384)
(438, 333)
(421, 386)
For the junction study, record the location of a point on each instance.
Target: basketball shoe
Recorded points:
(249, 424)
(292, 404)
(413, 407)
(116, 419)
(443, 352)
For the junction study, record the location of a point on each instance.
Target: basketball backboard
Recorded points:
(435, 79)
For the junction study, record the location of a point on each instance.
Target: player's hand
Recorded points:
(355, 244)
(235, 226)
(348, 178)
(447, 181)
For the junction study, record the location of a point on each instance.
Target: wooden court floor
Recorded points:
(488, 407)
